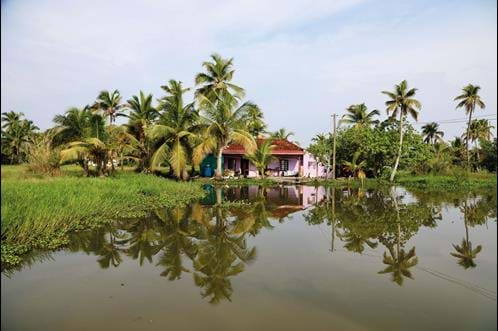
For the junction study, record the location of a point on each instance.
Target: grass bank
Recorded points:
(459, 181)
(38, 212)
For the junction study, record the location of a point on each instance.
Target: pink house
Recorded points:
(291, 161)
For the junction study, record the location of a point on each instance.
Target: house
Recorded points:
(291, 160)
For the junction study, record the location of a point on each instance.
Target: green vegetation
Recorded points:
(39, 212)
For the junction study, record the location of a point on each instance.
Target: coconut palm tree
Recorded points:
(255, 122)
(216, 82)
(281, 134)
(468, 100)
(225, 125)
(262, 156)
(87, 149)
(431, 133)
(359, 116)
(10, 119)
(402, 103)
(76, 124)
(142, 115)
(174, 130)
(17, 136)
(354, 166)
(480, 130)
(109, 104)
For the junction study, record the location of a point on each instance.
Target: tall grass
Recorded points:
(37, 211)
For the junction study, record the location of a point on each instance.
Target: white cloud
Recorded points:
(299, 60)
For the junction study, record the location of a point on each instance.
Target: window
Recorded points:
(284, 165)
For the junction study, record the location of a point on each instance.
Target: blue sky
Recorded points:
(300, 61)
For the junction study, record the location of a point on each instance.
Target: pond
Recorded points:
(278, 258)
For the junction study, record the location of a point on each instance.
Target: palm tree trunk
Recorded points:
(218, 173)
(468, 138)
(85, 167)
(396, 164)
(122, 166)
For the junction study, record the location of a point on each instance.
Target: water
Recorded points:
(283, 258)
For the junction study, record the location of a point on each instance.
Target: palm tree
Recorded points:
(76, 124)
(480, 130)
(401, 102)
(281, 134)
(262, 156)
(109, 103)
(17, 136)
(175, 130)
(255, 122)
(359, 116)
(216, 82)
(87, 149)
(142, 114)
(469, 99)
(10, 119)
(355, 167)
(226, 125)
(432, 133)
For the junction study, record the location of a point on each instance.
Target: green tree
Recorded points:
(281, 134)
(110, 104)
(255, 122)
(141, 117)
(226, 125)
(175, 130)
(431, 133)
(17, 136)
(216, 83)
(468, 100)
(354, 166)
(262, 156)
(402, 103)
(359, 116)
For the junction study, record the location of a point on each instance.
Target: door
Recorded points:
(244, 167)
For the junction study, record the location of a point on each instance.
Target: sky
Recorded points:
(300, 61)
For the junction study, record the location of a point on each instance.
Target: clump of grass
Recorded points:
(40, 212)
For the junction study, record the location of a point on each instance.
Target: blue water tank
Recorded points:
(208, 172)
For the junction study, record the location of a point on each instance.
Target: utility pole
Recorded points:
(333, 150)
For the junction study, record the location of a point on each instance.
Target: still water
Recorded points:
(281, 258)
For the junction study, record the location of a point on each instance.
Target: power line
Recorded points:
(457, 120)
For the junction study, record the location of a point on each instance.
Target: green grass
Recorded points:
(459, 180)
(38, 212)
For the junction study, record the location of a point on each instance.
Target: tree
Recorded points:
(109, 103)
(216, 83)
(226, 125)
(281, 134)
(255, 122)
(262, 156)
(431, 133)
(175, 130)
(142, 114)
(321, 149)
(468, 100)
(355, 167)
(359, 116)
(17, 135)
(76, 124)
(87, 149)
(402, 103)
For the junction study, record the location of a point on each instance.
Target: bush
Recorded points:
(43, 158)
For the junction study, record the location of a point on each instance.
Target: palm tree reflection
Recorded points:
(464, 252)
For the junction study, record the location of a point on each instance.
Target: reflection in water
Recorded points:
(208, 239)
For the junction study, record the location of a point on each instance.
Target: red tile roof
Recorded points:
(282, 147)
